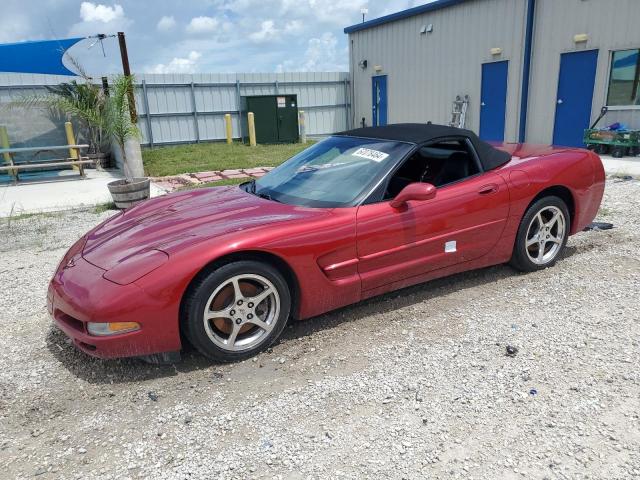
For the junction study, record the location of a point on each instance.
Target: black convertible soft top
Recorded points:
(425, 132)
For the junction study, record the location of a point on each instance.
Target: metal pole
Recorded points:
(145, 99)
(346, 105)
(71, 140)
(303, 128)
(195, 113)
(127, 73)
(252, 129)
(228, 128)
(277, 87)
(239, 104)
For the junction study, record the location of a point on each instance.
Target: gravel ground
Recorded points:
(415, 384)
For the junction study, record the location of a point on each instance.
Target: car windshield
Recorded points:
(335, 172)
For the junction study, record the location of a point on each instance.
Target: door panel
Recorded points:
(264, 110)
(379, 100)
(493, 101)
(575, 96)
(397, 244)
(288, 119)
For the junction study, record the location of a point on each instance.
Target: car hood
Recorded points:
(173, 221)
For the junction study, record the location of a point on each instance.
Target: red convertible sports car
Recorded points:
(356, 215)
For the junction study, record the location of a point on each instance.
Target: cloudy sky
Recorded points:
(191, 36)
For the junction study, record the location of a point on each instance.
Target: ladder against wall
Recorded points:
(459, 111)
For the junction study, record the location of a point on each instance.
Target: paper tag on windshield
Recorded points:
(369, 154)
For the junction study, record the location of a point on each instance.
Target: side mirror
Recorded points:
(414, 191)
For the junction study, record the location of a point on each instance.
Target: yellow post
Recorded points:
(252, 129)
(4, 143)
(228, 127)
(303, 128)
(71, 140)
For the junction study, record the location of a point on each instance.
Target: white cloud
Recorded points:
(293, 27)
(166, 23)
(15, 28)
(322, 55)
(267, 32)
(202, 25)
(91, 12)
(188, 64)
(96, 18)
(320, 52)
(336, 13)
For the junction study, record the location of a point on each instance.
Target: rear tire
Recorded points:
(236, 311)
(542, 235)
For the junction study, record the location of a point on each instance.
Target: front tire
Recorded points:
(542, 235)
(236, 311)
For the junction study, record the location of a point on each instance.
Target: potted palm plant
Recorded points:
(125, 134)
(84, 103)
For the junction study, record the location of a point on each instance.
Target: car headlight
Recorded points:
(111, 328)
(137, 266)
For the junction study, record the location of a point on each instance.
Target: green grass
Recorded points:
(104, 207)
(24, 216)
(201, 157)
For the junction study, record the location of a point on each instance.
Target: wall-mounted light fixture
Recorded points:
(426, 29)
(377, 68)
(362, 64)
(496, 51)
(580, 37)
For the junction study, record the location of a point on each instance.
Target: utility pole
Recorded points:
(127, 73)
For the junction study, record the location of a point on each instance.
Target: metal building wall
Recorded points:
(611, 25)
(426, 71)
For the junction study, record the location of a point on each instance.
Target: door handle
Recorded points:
(560, 102)
(488, 189)
(482, 104)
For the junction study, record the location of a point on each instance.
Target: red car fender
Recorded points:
(326, 275)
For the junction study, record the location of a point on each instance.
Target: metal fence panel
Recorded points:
(179, 108)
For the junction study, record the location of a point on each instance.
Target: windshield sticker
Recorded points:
(369, 154)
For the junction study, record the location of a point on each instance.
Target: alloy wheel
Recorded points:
(545, 235)
(241, 312)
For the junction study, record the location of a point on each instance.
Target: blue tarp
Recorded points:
(36, 57)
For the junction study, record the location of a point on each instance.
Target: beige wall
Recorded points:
(426, 71)
(610, 24)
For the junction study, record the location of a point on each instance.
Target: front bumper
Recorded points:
(79, 294)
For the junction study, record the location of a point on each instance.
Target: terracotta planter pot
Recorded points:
(127, 194)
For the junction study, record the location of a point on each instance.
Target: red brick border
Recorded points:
(173, 182)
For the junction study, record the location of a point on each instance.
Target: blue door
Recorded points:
(493, 100)
(575, 95)
(379, 100)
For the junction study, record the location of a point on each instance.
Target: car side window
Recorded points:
(440, 163)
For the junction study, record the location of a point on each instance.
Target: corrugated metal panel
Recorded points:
(426, 71)
(323, 96)
(610, 26)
